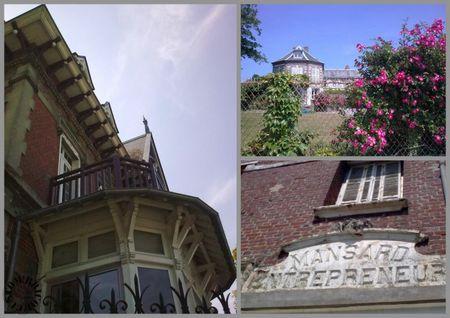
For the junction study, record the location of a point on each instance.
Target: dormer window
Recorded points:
(373, 182)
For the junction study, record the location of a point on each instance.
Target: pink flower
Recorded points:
(351, 124)
(400, 76)
(359, 83)
(415, 111)
(369, 104)
(438, 139)
(412, 124)
(380, 112)
(360, 47)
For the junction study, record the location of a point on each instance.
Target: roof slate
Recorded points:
(299, 54)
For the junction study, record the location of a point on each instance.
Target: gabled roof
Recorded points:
(298, 54)
(143, 147)
(341, 73)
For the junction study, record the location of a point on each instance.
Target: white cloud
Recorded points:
(221, 193)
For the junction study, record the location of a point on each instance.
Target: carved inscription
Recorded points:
(365, 264)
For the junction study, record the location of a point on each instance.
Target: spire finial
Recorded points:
(147, 131)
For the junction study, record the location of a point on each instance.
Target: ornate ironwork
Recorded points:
(51, 304)
(113, 304)
(182, 297)
(137, 296)
(223, 300)
(86, 308)
(161, 307)
(205, 309)
(23, 295)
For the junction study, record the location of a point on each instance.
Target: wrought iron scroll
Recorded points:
(23, 295)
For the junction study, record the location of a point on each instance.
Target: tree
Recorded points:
(250, 24)
(399, 103)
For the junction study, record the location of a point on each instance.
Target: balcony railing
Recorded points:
(112, 173)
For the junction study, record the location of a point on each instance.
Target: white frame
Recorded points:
(62, 162)
(381, 196)
(163, 241)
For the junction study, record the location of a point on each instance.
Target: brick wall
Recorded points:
(40, 161)
(278, 203)
(26, 258)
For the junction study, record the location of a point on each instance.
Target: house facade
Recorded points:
(90, 223)
(301, 61)
(343, 236)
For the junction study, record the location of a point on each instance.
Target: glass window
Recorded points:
(65, 254)
(159, 282)
(380, 181)
(106, 282)
(66, 296)
(148, 242)
(101, 244)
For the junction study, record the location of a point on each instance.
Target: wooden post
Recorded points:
(117, 172)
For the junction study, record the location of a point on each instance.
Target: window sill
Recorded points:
(333, 211)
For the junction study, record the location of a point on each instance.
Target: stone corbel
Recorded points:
(121, 232)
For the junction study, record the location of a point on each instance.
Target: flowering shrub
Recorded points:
(400, 99)
(325, 101)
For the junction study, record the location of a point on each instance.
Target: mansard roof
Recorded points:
(341, 73)
(298, 54)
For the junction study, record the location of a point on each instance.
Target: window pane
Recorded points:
(354, 180)
(159, 282)
(101, 244)
(65, 254)
(391, 179)
(66, 296)
(367, 182)
(107, 281)
(376, 186)
(148, 242)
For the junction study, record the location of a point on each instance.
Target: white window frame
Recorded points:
(62, 162)
(298, 70)
(363, 180)
(166, 248)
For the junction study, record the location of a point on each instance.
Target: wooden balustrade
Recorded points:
(112, 173)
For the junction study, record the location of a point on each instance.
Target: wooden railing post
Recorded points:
(117, 172)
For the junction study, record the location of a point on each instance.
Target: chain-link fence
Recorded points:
(322, 120)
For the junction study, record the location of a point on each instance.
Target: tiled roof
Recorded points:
(342, 73)
(299, 54)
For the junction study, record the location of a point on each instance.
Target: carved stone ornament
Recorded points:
(353, 225)
(375, 258)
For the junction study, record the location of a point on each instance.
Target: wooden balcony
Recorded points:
(112, 173)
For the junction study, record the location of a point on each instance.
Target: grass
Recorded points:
(322, 124)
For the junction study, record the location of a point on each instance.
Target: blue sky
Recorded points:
(175, 64)
(331, 31)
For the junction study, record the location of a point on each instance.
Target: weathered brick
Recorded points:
(278, 203)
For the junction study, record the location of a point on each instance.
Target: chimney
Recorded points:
(306, 49)
(347, 67)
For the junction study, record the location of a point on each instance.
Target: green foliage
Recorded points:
(280, 135)
(250, 48)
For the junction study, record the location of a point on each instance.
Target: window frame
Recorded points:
(91, 272)
(170, 272)
(165, 246)
(362, 181)
(63, 142)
